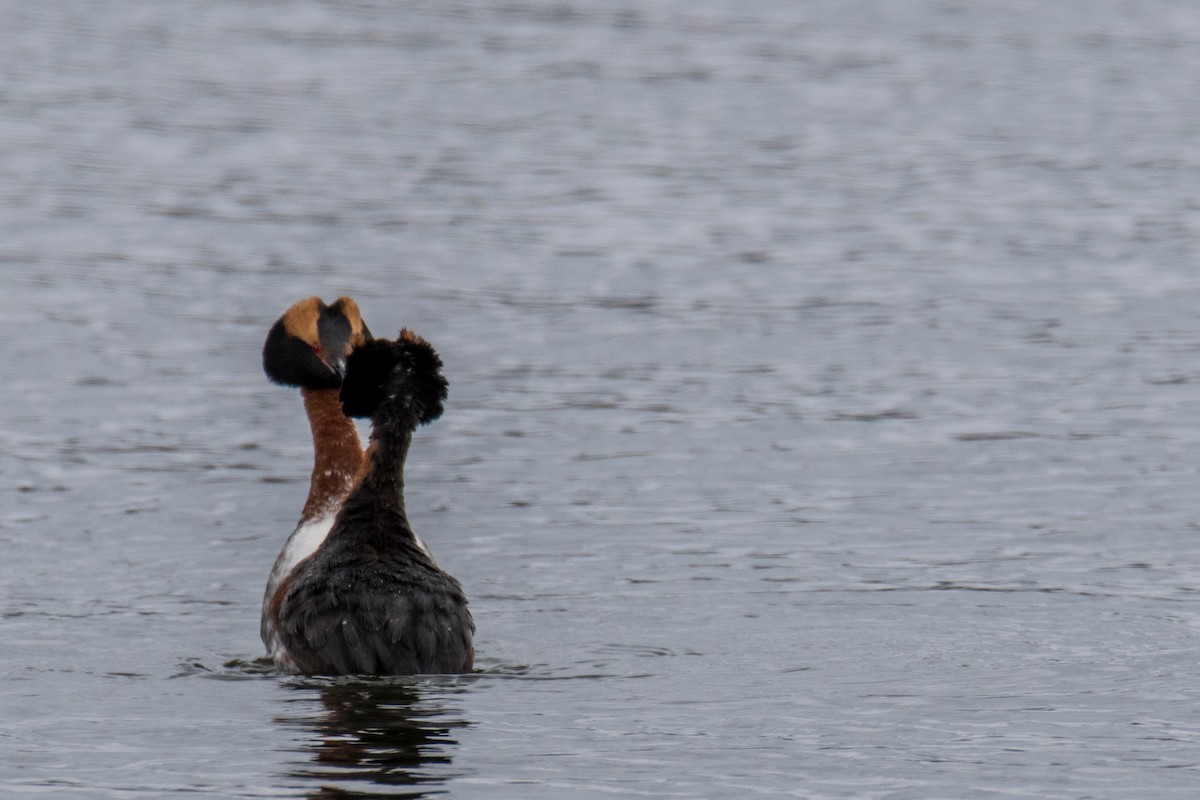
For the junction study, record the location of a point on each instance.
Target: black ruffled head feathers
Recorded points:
(402, 376)
(309, 344)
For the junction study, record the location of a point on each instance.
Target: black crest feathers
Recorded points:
(290, 361)
(405, 372)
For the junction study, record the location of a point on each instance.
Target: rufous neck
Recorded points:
(337, 452)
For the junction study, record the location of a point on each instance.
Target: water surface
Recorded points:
(823, 410)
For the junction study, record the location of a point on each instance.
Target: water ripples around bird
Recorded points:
(823, 393)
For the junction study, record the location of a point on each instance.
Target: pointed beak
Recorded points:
(337, 366)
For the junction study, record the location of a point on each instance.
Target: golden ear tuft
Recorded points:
(349, 308)
(301, 319)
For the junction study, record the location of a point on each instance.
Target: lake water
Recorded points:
(824, 411)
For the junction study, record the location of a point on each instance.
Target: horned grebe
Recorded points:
(370, 600)
(307, 347)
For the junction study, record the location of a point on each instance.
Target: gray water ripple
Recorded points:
(821, 417)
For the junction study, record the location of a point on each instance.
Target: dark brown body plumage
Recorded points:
(371, 600)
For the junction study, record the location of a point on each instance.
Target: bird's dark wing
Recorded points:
(347, 619)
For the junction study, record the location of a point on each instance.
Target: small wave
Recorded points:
(238, 669)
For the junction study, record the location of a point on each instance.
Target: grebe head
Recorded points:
(309, 344)
(403, 374)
